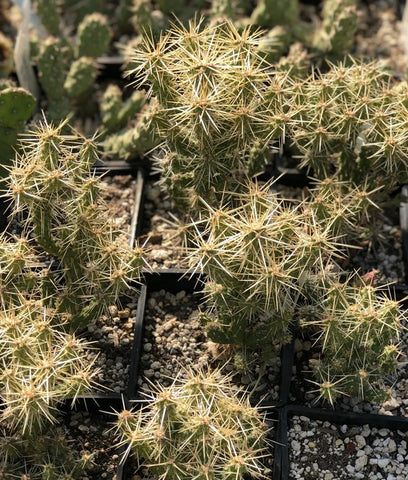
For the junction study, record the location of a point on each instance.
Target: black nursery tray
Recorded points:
(171, 288)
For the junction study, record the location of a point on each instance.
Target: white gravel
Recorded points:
(322, 450)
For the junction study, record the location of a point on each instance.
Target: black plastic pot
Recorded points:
(171, 280)
(96, 415)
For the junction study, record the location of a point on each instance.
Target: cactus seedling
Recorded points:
(199, 428)
(353, 125)
(211, 85)
(67, 73)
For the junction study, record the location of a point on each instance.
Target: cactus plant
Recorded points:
(139, 136)
(67, 73)
(358, 329)
(352, 124)
(16, 107)
(257, 253)
(6, 56)
(197, 428)
(339, 25)
(212, 88)
(52, 182)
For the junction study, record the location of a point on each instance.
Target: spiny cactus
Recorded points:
(46, 457)
(358, 328)
(140, 136)
(278, 12)
(212, 86)
(53, 184)
(199, 428)
(257, 254)
(41, 365)
(353, 124)
(16, 107)
(339, 25)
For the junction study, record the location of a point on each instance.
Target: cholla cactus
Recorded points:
(16, 107)
(339, 25)
(353, 125)
(278, 12)
(41, 365)
(53, 184)
(213, 89)
(358, 328)
(257, 256)
(198, 428)
(46, 457)
(129, 126)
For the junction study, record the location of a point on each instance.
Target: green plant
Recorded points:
(214, 93)
(67, 73)
(46, 457)
(199, 428)
(41, 365)
(258, 255)
(6, 56)
(352, 124)
(358, 329)
(52, 183)
(16, 107)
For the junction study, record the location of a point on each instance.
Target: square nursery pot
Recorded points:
(333, 445)
(88, 425)
(166, 318)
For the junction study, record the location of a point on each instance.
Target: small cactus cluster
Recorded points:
(44, 457)
(16, 107)
(260, 255)
(128, 125)
(41, 365)
(67, 73)
(67, 264)
(199, 428)
(53, 185)
(358, 329)
(352, 123)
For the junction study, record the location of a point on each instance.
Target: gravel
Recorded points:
(90, 432)
(322, 450)
(112, 338)
(159, 230)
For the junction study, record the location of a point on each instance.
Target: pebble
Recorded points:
(361, 462)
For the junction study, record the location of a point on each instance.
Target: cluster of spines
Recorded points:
(199, 428)
(41, 365)
(212, 86)
(256, 256)
(353, 125)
